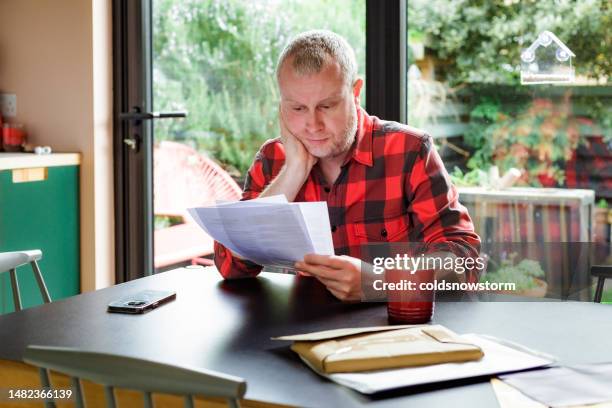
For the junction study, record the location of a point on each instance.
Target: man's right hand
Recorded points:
(298, 159)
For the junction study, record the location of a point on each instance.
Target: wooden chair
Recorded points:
(184, 178)
(115, 371)
(10, 261)
(602, 272)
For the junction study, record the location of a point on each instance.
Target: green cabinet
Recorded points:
(43, 215)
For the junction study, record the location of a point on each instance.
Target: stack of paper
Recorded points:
(493, 356)
(269, 231)
(500, 356)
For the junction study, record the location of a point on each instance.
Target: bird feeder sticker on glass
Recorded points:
(547, 61)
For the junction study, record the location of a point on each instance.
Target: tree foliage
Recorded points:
(476, 47)
(481, 41)
(217, 58)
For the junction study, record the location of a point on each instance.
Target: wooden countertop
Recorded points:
(10, 161)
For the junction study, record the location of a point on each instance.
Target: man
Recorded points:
(382, 181)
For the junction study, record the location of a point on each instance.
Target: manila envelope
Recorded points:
(382, 347)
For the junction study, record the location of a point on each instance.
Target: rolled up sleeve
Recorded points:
(263, 169)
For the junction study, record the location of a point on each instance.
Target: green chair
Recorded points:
(10, 261)
(602, 272)
(113, 370)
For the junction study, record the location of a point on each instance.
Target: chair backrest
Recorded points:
(148, 376)
(184, 178)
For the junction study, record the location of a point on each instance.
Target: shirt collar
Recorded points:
(362, 147)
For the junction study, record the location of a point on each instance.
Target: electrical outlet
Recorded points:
(8, 105)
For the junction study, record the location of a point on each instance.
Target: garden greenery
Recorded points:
(481, 41)
(476, 48)
(524, 274)
(216, 59)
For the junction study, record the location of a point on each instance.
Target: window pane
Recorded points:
(521, 85)
(465, 85)
(216, 59)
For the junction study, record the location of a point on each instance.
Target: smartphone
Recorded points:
(141, 302)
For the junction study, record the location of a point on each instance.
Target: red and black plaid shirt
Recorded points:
(393, 187)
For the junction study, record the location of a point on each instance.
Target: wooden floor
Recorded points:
(15, 375)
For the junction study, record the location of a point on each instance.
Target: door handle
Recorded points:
(136, 116)
(151, 115)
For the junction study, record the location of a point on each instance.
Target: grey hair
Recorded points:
(311, 50)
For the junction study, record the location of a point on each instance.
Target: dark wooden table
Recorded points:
(227, 325)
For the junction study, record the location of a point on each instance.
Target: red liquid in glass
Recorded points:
(410, 306)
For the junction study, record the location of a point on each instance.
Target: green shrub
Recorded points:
(523, 274)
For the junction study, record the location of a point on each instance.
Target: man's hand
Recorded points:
(295, 171)
(340, 274)
(298, 159)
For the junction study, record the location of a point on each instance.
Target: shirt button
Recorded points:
(383, 233)
(327, 189)
(334, 228)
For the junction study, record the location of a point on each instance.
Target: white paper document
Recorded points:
(269, 231)
(498, 358)
(565, 386)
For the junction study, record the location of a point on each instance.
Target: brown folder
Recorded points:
(375, 348)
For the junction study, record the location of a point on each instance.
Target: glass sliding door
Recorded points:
(216, 60)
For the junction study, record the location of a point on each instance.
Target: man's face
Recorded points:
(320, 109)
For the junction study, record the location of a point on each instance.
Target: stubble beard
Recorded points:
(344, 144)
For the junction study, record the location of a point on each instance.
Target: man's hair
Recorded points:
(311, 50)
